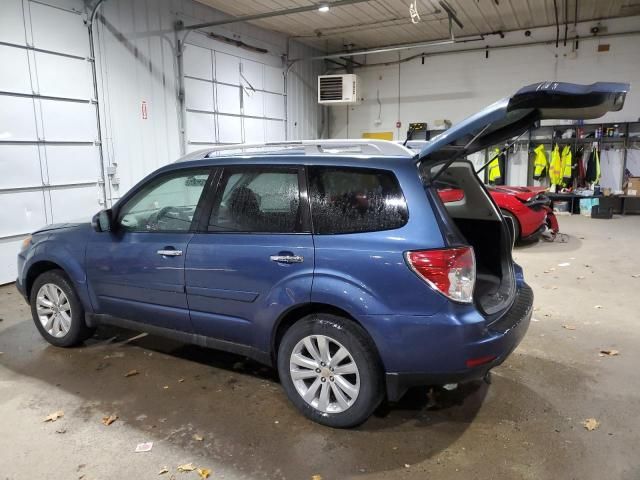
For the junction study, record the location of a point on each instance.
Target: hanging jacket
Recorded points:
(566, 162)
(540, 164)
(495, 175)
(555, 167)
(580, 170)
(593, 166)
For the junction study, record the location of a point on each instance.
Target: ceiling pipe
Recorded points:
(276, 13)
(397, 48)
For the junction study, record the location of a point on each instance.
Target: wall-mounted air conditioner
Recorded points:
(338, 89)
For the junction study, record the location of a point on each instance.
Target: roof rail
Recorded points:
(310, 147)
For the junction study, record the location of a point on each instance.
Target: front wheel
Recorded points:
(57, 311)
(330, 370)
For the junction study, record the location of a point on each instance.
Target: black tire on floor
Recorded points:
(516, 224)
(364, 354)
(78, 331)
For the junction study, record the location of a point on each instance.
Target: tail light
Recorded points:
(452, 271)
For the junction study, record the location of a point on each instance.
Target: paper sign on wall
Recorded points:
(144, 111)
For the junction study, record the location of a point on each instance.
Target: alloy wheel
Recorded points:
(54, 310)
(324, 373)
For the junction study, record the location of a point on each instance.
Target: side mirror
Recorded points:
(102, 221)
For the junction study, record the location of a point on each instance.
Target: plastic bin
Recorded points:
(601, 212)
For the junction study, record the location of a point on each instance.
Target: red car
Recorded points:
(527, 206)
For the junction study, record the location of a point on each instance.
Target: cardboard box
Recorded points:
(633, 187)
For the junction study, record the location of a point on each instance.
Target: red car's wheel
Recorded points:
(516, 224)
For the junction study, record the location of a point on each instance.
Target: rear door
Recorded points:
(253, 256)
(514, 115)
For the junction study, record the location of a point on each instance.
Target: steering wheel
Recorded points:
(162, 216)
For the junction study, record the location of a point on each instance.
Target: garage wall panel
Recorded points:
(254, 130)
(12, 22)
(73, 204)
(72, 164)
(15, 72)
(227, 68)
(65, 77)
(201, 127)
(58, 30)
(199, 95)
(198, 62)
(20, 166)
(17, 120)
(252, 74)
(229, 129)
(21, 212)
(273, 79)
(228, 99)
(68, 121)
(253, 104)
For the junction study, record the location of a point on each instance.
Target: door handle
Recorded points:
(286, 258)
(170, 253)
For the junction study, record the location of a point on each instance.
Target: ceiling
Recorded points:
(377, 23)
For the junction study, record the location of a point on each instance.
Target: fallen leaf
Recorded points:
(569, 327)
(204, 472)
(580, 277)
(166, 387)
(114, 355)
(316, 477)
(180, 380)
(609, 353)
(144, 447)
(637, 275)
(534, 319)
(598, 307)
(187, 467)
(564, 264)
(198, 438)
(109, 419)
(61, 430)
(163, 471)
(52, 417)
(406, 465)
(591, 424)
(131, 373)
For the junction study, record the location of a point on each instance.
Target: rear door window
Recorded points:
(257, 200)
(351, 200)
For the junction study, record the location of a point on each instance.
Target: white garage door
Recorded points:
(231, 99)
(49, 158)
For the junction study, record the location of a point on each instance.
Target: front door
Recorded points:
(254, 255)
(136, 271)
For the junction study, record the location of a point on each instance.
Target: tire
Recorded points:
(65, 326)
(516, 225)
(339, 333)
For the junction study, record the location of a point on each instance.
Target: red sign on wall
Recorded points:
(144, 112)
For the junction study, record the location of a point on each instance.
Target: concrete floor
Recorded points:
(526, 425)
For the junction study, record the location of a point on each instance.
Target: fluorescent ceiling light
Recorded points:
(323, 7)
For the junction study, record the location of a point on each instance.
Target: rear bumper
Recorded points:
(499, 340)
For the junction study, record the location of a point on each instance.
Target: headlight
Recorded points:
(26, 243)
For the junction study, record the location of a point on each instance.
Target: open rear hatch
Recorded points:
(474, 219)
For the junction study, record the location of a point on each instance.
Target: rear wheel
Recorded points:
(56, 310)
(330, 370)
(516, 225)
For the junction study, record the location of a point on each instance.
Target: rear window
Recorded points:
(351, 200)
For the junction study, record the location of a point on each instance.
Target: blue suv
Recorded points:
(334, 261)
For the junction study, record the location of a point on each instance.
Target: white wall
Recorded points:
(455, 85)
(137, 62)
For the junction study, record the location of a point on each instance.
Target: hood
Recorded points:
(514, 115)
(59, 226)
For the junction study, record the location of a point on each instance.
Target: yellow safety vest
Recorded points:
(494, 167)
(555, 168)
(565, 162)
(541, 163)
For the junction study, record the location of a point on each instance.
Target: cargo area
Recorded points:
(473, 219)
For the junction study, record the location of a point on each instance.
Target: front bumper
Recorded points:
(500, 339)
